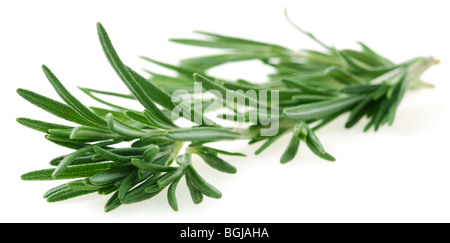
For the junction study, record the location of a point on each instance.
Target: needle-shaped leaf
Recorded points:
(314, 140)
(157, 121)
(54, 107)
(68, 159)
(321, 109)
(109, 176)
(180, 70)
(219, 151)
(138, 193)
(196, 195)
(67, 193)
(128, 182)
(122, 128)
(148, 166)
(209, 84)
(80, 185)
(90, 92)
(72, 171)
(217, 163)
(106, 154)
(291, 150)
(113, 202)
(169, 177)
(129, 80)
(139, 117)
(344, 76)
(204, 187)
(91, 134)
(40, 125)
(201, 134)
(71, 100)
(171, 196)
(150, 153)
(318, 152)
(306, 98)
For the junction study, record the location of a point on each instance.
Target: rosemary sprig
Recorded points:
(313, 88)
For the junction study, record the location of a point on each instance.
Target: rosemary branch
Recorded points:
(308, 90)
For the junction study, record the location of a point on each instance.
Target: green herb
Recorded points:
(313, 88)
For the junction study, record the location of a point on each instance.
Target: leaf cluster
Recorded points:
(130, 154)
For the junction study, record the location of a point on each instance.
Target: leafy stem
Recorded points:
(130, 153)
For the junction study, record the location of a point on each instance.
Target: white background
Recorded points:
(399, 174)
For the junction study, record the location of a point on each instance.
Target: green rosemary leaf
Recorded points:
(384, 61)
(122, 128)
(72, 171)
(314, 140)
(171, 197)
(217, 163)
(291, 150)
(158, 95)
(216, 151)
(54, 107)
(180, 70)
(150, 153)
(115, 94)
(306, 98)
(148, 166)
(153, 140)
(356, 89)
(343, 76)
(128, 182)
(305, 87)
(107, 189)
(211, 85)
(169, 177)
(232, 40)
(109, 176)
(358, 112)
(139, 117)
(103, 112)
(91, 134)
(80, 185)
(202, 64)
(165, 99)
(201, 134)
(310, 35)
(321, 109)
(185, 158)
(138, 193)
(380, 92)
(71, 100)
(204, 187)
(68, 159)
(318, 152)
(124, 73)
(106, 154)
(152, 118)
(55, 189)
(61, 132)
(40, 125)
(67, 193)
(112, 203)
(196, 195)
(220, 41)
(381, 114)
(65, 142)
(363, 57)
(90, 92)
